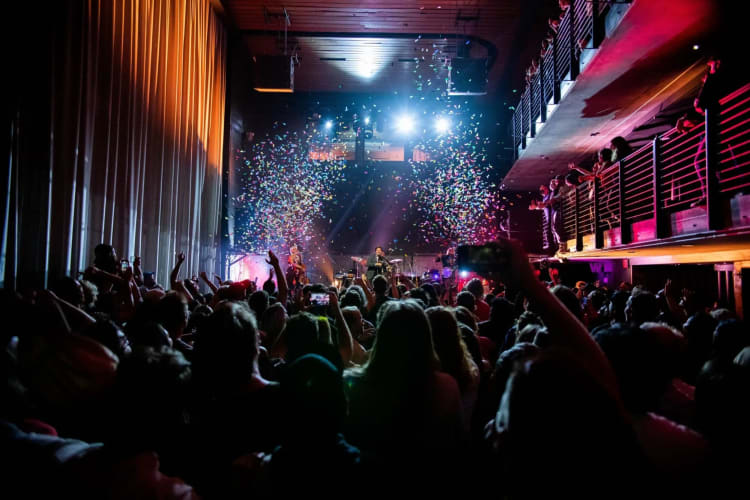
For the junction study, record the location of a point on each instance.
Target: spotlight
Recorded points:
(464, 274)
(367, 120)
(405, 124)
(442, 125)
(696, 47)
(328, 125)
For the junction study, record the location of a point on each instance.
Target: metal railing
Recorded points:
(581, 27)
(680, 174)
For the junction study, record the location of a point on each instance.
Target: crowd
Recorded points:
(119, 388)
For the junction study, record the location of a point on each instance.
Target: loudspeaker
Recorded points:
(273, 74)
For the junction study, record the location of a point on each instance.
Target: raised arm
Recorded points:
(368, 293)
(174, 281)
(137, 271)
(280, 279)
(565, 329)
(345, 340)
(208, 282)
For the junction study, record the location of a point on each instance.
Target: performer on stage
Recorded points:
(448, 260)
(295, 273)
(377, 264)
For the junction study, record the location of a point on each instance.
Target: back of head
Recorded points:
(466, 317)
(150, 393)
(403, 352)
(569, 299)
(172, 311)
(466, 299)
(226, 350)
(258, 302)
(617, 304)
(105, 258)
(454, 357)
(312, 388)
(638, 360)
(642, 306)
(475, 287)
(730, 337)
(379, 284)
(502, 312)
(301, 335)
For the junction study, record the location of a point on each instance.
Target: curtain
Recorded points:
(114, 135)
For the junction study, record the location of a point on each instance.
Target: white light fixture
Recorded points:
(367, 120)
(329, 124)
(442, 125)
(405, 124)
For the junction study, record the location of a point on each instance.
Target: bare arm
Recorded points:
(280, 279)
(345, 336)
(368, 293)
(174, 282)
(137, 271)
(394, 289)
(565, 329)
(208, 282)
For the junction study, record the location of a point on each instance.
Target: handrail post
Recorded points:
(520, 122)
(659, 215)
(713, 203)
(598, 233)
(542, 100)
(575, 66)
(597, 25)
(556, 96)
(532, 120)
(626, 235)
(579, 233)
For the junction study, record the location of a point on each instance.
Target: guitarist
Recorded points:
(296, 272)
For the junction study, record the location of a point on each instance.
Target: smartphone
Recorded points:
(124, 264)
(319, 299)
(487, 258)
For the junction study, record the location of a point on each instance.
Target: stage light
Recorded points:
(405, 124)
(442, 125)
(464, 274)
(329, 124)
(367, 120)
(696, 47)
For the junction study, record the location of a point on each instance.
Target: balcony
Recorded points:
(682, 197)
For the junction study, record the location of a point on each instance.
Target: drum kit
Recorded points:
(393, 268)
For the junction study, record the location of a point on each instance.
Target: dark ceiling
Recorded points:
(381, 46)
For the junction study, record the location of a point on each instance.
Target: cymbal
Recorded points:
(396, 260)
(356, 258)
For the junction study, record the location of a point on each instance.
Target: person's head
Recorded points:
(508, 362)
(431, 293)
(198, 316)
(543, 190)
(466, 317)
(149, 281)
(572, 179)
(269, 286)
(294, 249)
(641, 306)
(466, 299)
(730, 337)
(172, 312)
(105, 258)
(379, 251)
(353, 297)
(226, 350)
(568, 298)
(150, 334)
(311, 386)
(604, 155)
(554, 184)
(106, 332)
(302, 335)
(420, 296)
(640, 364)
(528, 333)
(450, 348)
(403, 352)
(148, 407)
(620, 148)
(617, 304)
(379, 285)
(273, 320)
(353, 318)
(475, 287)
(258, 302)
(70, 290)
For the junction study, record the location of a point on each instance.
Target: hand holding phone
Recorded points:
(319, 299)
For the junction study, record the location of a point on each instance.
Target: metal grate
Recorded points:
(734, 142)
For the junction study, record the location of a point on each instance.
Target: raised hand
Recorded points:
(272, 259)
(181, 257)
(137, 261)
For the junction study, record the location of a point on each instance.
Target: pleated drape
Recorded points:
(118, 139)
